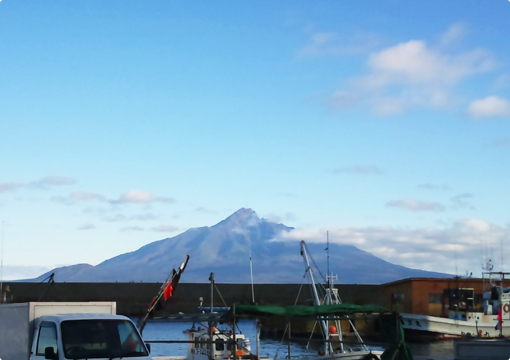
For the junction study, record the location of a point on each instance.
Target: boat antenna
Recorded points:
(502, 262)
(327, 248)
(251, 274)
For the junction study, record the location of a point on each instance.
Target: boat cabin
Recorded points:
(203, 346)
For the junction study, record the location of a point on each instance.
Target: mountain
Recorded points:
(224, 249)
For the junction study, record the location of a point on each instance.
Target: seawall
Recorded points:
(133, 299)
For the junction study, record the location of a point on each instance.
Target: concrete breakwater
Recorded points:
(133, 299)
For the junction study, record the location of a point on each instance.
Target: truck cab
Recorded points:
(86, 336)
(68, 330)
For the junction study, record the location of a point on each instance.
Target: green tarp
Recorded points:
(398, 349)
(302, 311)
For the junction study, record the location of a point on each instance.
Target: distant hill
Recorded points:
(224, 249)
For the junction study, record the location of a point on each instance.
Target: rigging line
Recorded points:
(218, 290)
(315, 264)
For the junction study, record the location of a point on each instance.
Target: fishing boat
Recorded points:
(332, 329)
(209, 342)
(331, 312)
(462, 320)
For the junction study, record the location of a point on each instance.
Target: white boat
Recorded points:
(209, 343)
(468, 323)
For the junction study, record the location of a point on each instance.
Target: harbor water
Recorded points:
(160, 330)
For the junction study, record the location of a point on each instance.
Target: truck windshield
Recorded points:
(88, 339)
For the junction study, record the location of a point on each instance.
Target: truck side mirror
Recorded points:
(148, 347)
(49, 353)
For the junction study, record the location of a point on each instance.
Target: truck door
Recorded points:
(46, 336)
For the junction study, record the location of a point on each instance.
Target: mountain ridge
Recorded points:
(226, 249)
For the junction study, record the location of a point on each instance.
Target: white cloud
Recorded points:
(433, 249)
(414, 74)
(501, 82)
(334, 44)
(86, 196)
(452, 35)
(489, 107)
(416, 205)
(140, 197)
(414, 63)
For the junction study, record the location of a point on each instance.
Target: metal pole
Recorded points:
(289, 341)
(258, 340)
(211, 346)
(234, 331)
(2, 265)
(252, 290)
(211, 279)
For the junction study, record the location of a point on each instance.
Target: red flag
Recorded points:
(499, 325)
(168, 291)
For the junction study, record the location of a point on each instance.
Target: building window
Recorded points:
(435, 298)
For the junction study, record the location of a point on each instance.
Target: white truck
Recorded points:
(68, 330)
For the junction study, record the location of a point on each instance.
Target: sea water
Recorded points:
(161, 330)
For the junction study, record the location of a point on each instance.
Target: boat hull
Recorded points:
(476, 325)
(354, 355)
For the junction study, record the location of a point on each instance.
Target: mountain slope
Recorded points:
(225, 249)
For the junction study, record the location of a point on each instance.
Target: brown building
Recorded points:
(428, 296)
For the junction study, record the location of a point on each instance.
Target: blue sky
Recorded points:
(384, 122)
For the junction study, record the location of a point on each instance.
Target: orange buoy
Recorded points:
(239, 352)
(332, 329)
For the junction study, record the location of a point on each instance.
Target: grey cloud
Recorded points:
(461, 201)
(10, 187)
(52, 181)
(204, 210)
(86, 227)
(132, 228)
(165, 228)
(78, 196)
(44, 183)
(500, 143)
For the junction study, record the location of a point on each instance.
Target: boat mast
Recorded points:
(309, 271)
(251, 273)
